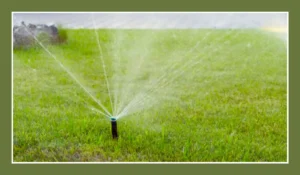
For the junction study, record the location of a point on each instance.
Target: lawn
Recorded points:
(223, 97)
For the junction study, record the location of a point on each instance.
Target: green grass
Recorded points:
(233, 105)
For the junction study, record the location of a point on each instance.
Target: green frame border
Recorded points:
(6, 165)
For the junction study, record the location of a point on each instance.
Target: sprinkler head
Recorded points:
(114, 128)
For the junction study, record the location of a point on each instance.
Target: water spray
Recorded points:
(114, 130)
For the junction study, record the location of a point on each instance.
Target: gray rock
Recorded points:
(23, 35)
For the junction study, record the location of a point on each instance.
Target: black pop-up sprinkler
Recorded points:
(114, 130)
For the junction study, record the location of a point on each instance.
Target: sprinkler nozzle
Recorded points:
(114, 130)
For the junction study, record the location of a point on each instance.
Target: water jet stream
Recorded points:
(102, 60)
(69, 73)
(172, 67)
(164, 80)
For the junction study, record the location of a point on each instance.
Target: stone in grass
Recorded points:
(23, 35)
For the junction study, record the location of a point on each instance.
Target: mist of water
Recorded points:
(143, 73)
